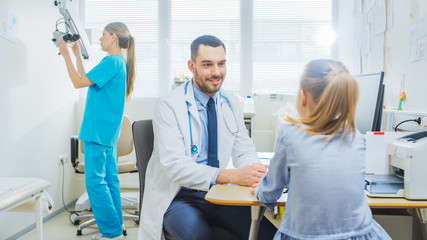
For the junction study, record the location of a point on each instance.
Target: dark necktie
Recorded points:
(212, 135)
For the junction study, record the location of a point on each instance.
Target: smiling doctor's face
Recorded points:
(208, 69)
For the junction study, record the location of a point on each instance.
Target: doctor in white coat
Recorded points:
(178, 173)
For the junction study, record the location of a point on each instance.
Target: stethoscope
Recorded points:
(232, 128)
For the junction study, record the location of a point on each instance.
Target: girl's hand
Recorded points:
(254, 187)
(76, 48)
(63, 49)
(250, 174)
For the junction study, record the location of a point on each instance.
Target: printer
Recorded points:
(407, 157)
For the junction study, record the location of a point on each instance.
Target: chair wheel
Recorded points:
(73, 216)
(79, 232)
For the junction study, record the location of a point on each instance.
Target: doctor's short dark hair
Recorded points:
(208, 40)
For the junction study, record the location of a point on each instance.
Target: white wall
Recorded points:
(37, 105)
(415, 72)
(398, 37)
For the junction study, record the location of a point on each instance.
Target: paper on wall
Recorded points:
(422, 27)
(413, 31)
(421, 48)
(413, 48)
(8, 26)
(379, 20)
(390, 13)
(415, 7)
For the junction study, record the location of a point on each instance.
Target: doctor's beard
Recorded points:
(202, 83)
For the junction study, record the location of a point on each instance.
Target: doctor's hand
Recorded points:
(63, 49)
(245, 176)
(76, 48)
(251, 174)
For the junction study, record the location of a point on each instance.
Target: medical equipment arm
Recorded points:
(74, 30)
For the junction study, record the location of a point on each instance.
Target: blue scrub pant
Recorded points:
(190, 216)
(103, 187)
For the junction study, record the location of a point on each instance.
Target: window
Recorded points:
(193, 18)
(141, 17)
(284, 35)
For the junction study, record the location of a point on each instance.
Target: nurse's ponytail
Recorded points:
(126, 41)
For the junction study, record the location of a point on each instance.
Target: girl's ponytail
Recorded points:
(335, 94)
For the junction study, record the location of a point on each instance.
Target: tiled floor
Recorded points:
(60, 228)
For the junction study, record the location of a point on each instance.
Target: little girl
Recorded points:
(110, 84)
(321, 158)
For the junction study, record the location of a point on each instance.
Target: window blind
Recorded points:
(141, 17)
(286, 35)
(193, 18)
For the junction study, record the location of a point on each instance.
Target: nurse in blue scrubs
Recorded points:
(110, 85)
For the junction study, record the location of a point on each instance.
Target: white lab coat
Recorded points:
(172, 166)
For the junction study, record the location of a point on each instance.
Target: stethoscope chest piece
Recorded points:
(227, 114)
(193, 149)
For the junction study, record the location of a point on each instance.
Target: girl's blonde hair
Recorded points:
(125, 41)
(335, 94)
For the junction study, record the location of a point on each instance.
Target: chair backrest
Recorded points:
(124, 147)
(144, 140)
(125, 142)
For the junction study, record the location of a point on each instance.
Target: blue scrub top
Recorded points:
(105, 101)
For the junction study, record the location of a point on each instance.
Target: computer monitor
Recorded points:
(370, 105)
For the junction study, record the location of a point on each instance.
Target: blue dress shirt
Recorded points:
(201, 103)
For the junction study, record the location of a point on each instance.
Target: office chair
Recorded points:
(143, 138)
(124, 147)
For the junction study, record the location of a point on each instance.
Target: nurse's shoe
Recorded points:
(99, 237)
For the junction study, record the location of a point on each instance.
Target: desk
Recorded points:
(16, 191)
(240, 196)
(395, 203)
(234, 195)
